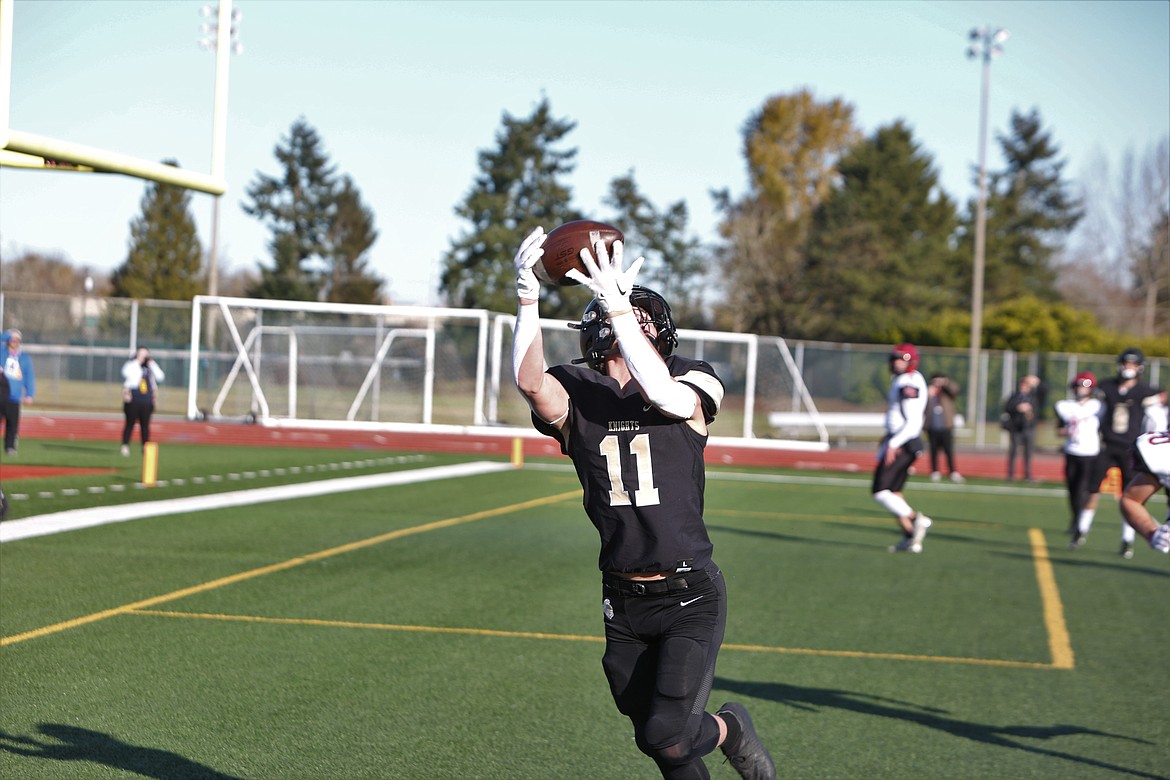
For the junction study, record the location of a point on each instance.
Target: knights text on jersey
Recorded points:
(641, 471)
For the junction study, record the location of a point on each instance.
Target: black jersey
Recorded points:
(642, 472)
(1123, 411)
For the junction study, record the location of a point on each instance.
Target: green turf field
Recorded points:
(451, 629)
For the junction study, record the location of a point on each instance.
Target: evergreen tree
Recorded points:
(880, 253)
(298, 206)
(518, 187)
(350, 236)
(1030, 211)
(164, 262)
(165, 259)
(675, 262)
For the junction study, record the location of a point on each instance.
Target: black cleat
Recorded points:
(747, 755)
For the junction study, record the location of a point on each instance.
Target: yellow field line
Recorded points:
(575, 638)
(941, 659)
(1059, 643)
(1058, 637)
(370, 626)
(291, 563)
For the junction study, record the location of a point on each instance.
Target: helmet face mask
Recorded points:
(1131, 363)
(598, 340)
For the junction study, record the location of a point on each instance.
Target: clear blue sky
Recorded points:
(405, 95)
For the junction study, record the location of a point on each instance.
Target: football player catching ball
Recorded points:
(634, 421)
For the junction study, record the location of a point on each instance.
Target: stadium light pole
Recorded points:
(985, 43)
(222, 37)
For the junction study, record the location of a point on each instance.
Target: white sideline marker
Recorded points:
(73, 519)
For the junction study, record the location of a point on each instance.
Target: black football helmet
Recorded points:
(597, 337)
(1131, 355)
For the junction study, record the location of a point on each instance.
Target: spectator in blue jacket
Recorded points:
(18, 370)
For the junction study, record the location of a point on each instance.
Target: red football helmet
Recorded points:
(907, 352)
(1084, 379)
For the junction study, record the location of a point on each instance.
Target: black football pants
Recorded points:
(11, 423)
(140, 414)
(659, 659)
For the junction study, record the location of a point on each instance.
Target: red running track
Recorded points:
(1046, 466)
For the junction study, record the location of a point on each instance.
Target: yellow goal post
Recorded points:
(27, 150)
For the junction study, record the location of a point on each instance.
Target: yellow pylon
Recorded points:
(150, 464)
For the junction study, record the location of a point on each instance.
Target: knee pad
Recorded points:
(681, 665)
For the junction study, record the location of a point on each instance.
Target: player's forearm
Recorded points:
(907, 432)
(528, 364)
(652, 375)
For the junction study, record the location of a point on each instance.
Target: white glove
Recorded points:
(1160, 541)
(605, 277)
(531, 250)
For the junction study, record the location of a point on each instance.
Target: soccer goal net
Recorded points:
(338, 365)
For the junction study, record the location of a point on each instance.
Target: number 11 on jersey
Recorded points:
(646, 494)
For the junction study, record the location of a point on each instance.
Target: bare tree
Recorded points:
(33, 271)
(1143, 210)
(1118, 265)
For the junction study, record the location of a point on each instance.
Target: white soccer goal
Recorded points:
(285, 363)
(279, 362)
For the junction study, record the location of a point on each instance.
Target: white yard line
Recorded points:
(59, 522)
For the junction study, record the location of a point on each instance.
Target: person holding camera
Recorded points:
(1019, 420)
(941, 393)
(140, 378)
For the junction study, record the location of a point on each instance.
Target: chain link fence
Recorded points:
(326, 366)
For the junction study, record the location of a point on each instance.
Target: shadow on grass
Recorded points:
(73, 743)
(101, 447)
(1115, 563)
(779, 537)
(814, 699)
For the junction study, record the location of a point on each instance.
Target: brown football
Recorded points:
(562, 249)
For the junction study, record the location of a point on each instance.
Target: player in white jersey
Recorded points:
(1151, 461)
(900, 447)
(1156, 416)
(1078, 420)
